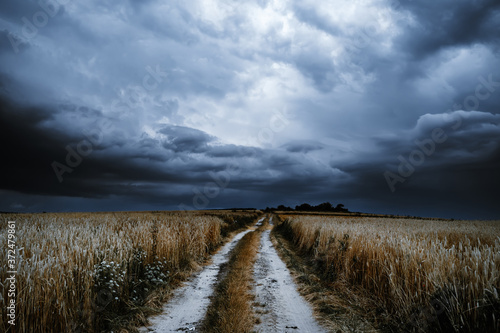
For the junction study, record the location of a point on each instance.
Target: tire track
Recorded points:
(280, 305)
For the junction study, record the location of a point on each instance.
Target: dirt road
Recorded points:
(279, 304)
(280, 307)
(188, 306)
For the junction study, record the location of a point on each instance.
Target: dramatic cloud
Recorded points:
(385, 106)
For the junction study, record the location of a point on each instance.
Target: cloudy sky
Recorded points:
(384, 106)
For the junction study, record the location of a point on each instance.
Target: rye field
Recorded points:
(412, 275)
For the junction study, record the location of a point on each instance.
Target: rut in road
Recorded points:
(188, 306)
(279, 304)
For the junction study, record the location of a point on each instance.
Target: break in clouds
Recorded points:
(384, 106)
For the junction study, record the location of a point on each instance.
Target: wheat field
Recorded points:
(424, 275)
(77, 272)
(86, 272)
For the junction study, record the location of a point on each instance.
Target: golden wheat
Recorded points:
(425, 274)
(74, 268)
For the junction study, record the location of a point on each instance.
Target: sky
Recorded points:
(385, 106)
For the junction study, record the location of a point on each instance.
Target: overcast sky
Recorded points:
(384, 106)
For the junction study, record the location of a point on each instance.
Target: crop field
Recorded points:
(85, 272)
(419, 275)
(221, 271)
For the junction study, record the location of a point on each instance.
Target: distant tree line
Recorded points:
(305, 207)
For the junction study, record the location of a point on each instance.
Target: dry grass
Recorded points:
(423, 275)
(93, 272)
(231, 307)
(335, 306)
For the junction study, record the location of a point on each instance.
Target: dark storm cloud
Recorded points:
(33, 150)
(442, 24)
(303, 146)
(449, 137)
(7, 39)
(450, 159)
(16, 9)
(28, 147)
(231, 151)
(141, 170)
(184, 139)
(200, 104)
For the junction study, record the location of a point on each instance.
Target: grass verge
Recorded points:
(335, 305)
(231, 307)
